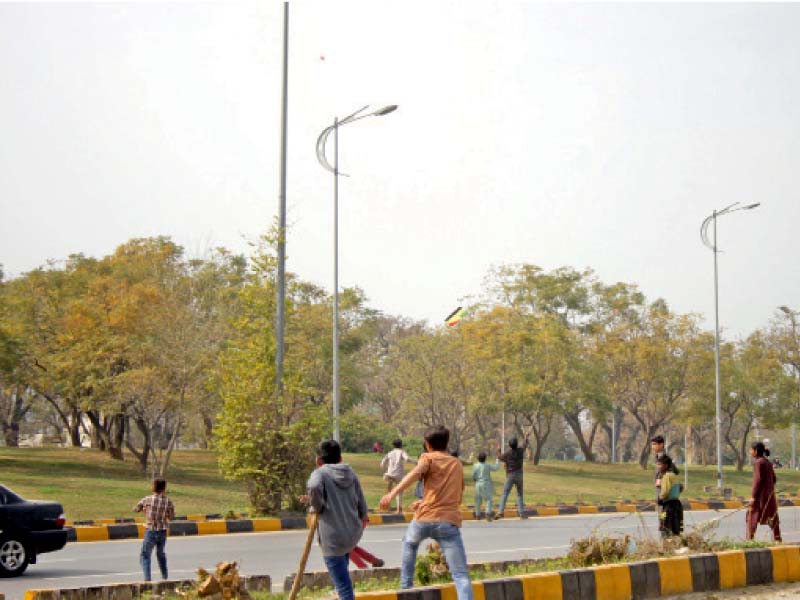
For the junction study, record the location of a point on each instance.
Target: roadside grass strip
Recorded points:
(119, 529)
(655, 578)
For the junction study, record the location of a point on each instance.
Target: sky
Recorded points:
(557, 134)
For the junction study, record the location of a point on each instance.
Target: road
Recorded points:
(276, 554)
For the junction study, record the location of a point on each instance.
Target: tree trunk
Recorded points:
(172, 443)
(573, 420)
(644, 455)
(14, 411)
(143, 455)
(609, 431)
(11, 434)
(110, 433)
(74, 427)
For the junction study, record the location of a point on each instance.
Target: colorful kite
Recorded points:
(454, 317)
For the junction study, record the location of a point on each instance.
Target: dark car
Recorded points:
(27, 528)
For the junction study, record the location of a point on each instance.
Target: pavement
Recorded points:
(277, 553)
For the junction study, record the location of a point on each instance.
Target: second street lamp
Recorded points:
(792, 315)
(334, 168)
(712, 245)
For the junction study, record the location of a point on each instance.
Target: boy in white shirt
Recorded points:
(392, 463)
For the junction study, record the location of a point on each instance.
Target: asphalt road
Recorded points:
(276, 554)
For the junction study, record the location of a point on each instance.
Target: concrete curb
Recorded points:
(135, 530)
(625, 581)
(130, 591)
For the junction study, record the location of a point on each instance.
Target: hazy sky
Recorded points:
(588, 135)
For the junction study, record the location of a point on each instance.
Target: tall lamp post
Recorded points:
(796, 364)
(712, 245)
(334, 168)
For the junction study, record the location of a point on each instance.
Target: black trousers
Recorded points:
(671, 521)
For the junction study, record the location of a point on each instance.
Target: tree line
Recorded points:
(147, 348)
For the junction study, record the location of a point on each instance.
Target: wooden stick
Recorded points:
(304, 558)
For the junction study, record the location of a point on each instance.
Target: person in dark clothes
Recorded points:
(514, 460)
(669, 499)
(335, 494)
(657, 447)
(764, 506)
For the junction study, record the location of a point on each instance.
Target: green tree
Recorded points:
(262, 439)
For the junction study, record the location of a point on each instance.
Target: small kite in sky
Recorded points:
(455, 317)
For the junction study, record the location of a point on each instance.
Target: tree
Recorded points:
(647, 356)
(266, 441)
(431, 376)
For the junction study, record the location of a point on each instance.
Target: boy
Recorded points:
(335, 494)
(438, 514)
(484, 488)
(393, 464)
(158, 510)
(514, 460)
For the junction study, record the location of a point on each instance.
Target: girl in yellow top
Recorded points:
(669, 500)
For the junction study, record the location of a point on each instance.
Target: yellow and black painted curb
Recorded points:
(130, 591)
(197, 526)
(626, 581)
(650, 579)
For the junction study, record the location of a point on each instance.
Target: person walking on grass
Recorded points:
(484, 487)
(392, 463)
(438, 514)
(335, 494)
(514, 460)
(763, 508)
(158, 510)
(669, 500)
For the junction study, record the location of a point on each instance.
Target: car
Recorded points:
(27, 528)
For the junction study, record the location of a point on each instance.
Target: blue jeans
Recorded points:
(449, 538)
(513, 479)
(157, 540)
(337, 569)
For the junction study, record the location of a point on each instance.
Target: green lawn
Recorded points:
(91, 485)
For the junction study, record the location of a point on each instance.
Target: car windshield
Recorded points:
(8, 497)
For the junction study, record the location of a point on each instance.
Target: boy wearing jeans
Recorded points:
(335, 494)
(158, 509)
(438, 514)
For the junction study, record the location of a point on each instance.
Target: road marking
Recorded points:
(114, 574)
(519, 549)
(54, 560)
(97, 575)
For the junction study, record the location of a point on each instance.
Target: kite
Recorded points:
(454, 317)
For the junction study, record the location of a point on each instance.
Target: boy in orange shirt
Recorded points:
(438, 514)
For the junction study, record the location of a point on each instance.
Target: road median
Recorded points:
(94, 531)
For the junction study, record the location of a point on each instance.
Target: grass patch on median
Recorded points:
(91, 485)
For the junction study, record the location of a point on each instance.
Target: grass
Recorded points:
(91, 485)
(477, 573)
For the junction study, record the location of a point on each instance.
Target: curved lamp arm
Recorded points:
(322, 140)
(707, 221)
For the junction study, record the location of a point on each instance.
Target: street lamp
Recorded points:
(712, 245)
(793, 318)
(334, 168)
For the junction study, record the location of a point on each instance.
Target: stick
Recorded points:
(304, 558)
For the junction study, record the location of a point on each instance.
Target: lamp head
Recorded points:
(785, 309)
(385, 110)
(751, 206)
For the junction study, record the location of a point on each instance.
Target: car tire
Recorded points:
(14, 556)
